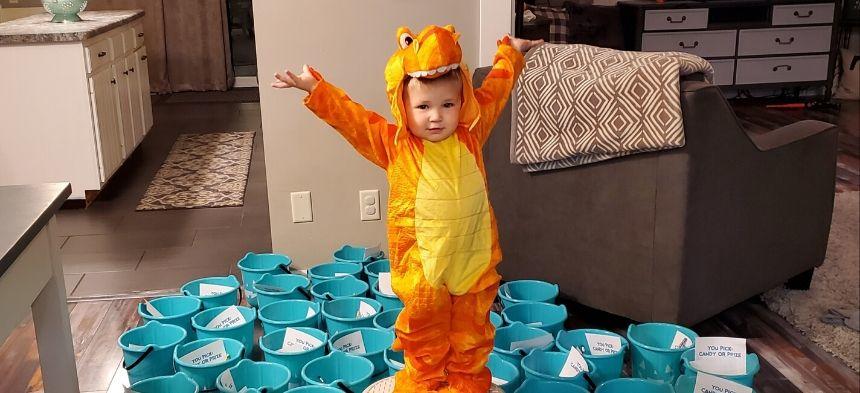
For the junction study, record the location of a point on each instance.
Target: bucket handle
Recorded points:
(590, 381)
(284, 269)
(146, 353)
(344, 387)
(304, 292)
(241, 296)
(328, 296)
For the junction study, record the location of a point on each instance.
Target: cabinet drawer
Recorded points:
(128, 41)
(717, 43)
(802, 14)
(724, 71)
(98, 54)
(785, 40)
(782, 69)
(696, 18)
(137, 31)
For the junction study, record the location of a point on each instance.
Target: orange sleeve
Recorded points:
(496, 88)
(365, 130)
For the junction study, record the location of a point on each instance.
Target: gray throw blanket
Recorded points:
(578, 104)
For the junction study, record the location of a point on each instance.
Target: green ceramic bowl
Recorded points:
(64, 10)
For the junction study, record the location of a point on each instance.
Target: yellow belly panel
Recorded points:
(452, 216)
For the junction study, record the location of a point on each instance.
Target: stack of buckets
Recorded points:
(342, 298)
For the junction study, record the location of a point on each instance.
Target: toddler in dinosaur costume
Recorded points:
(441, 230)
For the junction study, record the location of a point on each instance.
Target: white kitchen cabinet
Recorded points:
(76, 101)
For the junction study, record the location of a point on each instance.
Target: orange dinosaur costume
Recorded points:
(441, 230)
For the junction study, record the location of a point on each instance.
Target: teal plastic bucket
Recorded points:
(354, 254)
(545, 316)
(505, 374)
(686, 384)
(340, 370)
(147, 350)
(746, 379)
(315, 389)
(542, 386)
(176, 383)
(547, 366)
(394, 360)
(372, 270)
(329, 271)
(253, 266)
(250, 296)
(610, 365)
(369, 343)
(388, 302)
(205, 375)
(244, 332)
(262, 376)
(386, 319)
(509, 342)
(342, 314)
(228, 298)
(496, 319)
(338, 288)
(650, 353)
(634, 385)
(513, 292)
(271, 288)
(289, 313)
(272, 343)
(175, 310)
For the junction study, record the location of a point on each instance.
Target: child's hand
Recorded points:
(524, 45)
(304, 81)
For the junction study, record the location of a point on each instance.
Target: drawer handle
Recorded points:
(125, 72)
(143, 57)
(113, 81)
(102, 54)
(781, 42)
(787, 67)
(808, 14)
(139, 35)
(131, 69)
(670, 20)
(695, 45)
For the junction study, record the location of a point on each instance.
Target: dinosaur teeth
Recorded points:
(440, 70)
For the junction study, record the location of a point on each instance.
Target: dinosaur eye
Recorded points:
(405, 40)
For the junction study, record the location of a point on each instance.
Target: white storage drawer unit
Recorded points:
(685, 19)
(81, 123)
(718, 43)
(782, 69)
(803, 14)
(815, 39)
(724, 71)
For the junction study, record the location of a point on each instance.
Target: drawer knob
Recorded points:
(143, 57)
(113, 81)
(787, 67)
(125, 72)
(670, 20)
(102, 54)
(808, 14)
(139, 35)
(781, 42)
(695, 45)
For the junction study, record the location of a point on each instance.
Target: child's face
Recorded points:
(432, 109)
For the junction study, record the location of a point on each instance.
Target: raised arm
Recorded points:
(496, 88)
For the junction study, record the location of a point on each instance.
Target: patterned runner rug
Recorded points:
(202, 170)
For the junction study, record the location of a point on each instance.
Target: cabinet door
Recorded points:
(108, 139)
(143, 77)
(123, 106)
(134, 96)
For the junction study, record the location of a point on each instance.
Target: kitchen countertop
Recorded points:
(39, 29)
(24, 211)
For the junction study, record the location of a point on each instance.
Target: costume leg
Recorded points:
(472, 336)
(422, 328)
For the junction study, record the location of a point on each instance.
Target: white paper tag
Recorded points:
(303, 272)
(134, 347)
(535, 324)
(721, 355)
(298, 341)
(251, 294)
(310, 313)
(371, 251)
(364, 310)
(213, 289)
(212, 353)
(351, 343)
(537, 342)
(226, 319)
(341, 274)
(603, 344)
(574, 364)
(707, 383)
(681, 341)
(499, 381)
(151, 309)
(227, 380)
(385, 284)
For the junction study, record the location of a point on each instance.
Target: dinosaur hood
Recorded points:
(429, 54)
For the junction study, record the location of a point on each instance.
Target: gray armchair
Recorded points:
(677, 235)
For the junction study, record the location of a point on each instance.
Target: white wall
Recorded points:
(349, 42)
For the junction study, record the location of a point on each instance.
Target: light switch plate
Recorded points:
(302, 207)
(368, 204)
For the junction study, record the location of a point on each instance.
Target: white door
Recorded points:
(123, 105)
(134, 97)
(143, 77)
(108, 138)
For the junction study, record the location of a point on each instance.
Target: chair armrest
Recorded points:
(788, 134)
